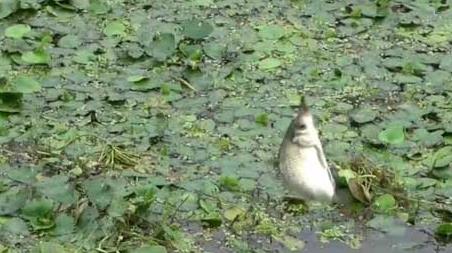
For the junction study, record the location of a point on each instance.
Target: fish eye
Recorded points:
(302, 126)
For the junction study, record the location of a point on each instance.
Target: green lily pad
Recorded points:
(98, 7)
(214, 50)
(262, 119)
(17, 31)
(39, 213)
(99, 192)
(196, 29)
(384, 203)
(426, 138)
(292, 243)
(36, 57)
(443, 157)
(16, 226)
(118, 207)
(136, 78)
(392, 135)
(12, 200)
(7, 7)
(115, 28)
(229, 182)
(444, 231)
(163, 46)
(446, 62)
(269, 63)
(192, 52)
(69, 41)
(58, 189)
(24, 84)
(444, 173)
(84, 57)
(271, 32)
(364, 115)
(50, 247)
(234, 212)
(64, 224)
(387, 224)
(212, 219)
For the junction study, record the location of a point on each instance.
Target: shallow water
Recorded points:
(414, 240)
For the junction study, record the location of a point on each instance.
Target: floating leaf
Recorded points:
(98, 7)
(10, 102)
(193, 52)
(50, 247)
(15, 226)
(115, 28)
(99, 192)
(345, 175)
(12, 200)
(58, 188)
(39, 213)
(446, 62)
(196, 29)
(444, 173)
(163, 46)
(36, 57)
(426, 138)
(444, 231)
(392, 135)
(69, 41)
(262, 119)
(24, 84)
(234, 212)
(136, 78)
(7, 7)
(443, 157)
(363, 115)
(83, 57)
(17, 31)
(64, 224)
(384, 203)
(81, 4)
(292, 243)
(271, 32)
(229, 182)
(117, 207)
(269, 63)
(214, 50)
(387, 224)
(212, 220)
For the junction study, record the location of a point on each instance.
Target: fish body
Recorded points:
(302, 161)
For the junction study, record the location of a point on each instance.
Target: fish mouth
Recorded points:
(299, 133)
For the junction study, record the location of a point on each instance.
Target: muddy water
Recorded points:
(414, 240)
